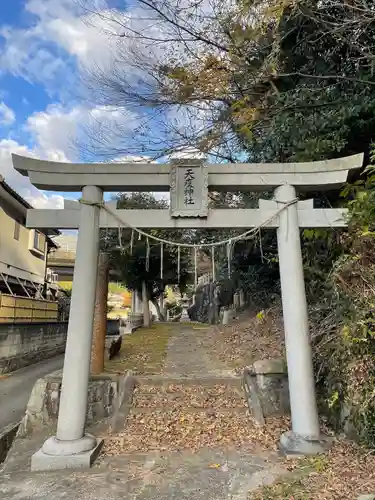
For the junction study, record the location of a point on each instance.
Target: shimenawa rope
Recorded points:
(253, 232)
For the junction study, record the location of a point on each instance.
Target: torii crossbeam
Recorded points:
(69, 218)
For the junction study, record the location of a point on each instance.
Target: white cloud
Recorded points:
(61, 38)
(22, 184)
(24, 54)
(58, 131)
(16, 180)
(86, 38)
(63, 32)
(60, 32)
(53, 132)
(133, 159)
(46, 201)
(7, 116)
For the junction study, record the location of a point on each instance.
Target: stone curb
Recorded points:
(252, 395)
(7, 436)
(14, 363)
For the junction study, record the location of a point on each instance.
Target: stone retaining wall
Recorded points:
(266, 388)
(106, 394)
(25, 344)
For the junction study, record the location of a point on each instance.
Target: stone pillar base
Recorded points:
(42, 461)
(292, 444)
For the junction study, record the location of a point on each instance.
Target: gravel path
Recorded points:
(187, 358)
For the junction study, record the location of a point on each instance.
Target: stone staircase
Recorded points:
(190, 394)
(170, 414)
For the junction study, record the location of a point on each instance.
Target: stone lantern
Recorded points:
(185, 306)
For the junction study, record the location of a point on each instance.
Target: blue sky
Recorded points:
(44, 44)
(45, 105)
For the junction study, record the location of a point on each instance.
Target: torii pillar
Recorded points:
(305, 437)
(71, 447)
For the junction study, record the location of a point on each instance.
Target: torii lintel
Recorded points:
(304, 176)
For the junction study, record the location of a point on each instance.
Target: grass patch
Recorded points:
(344, 473)
(288, 490)
(294, 485)
(114, 287)
(143, 351)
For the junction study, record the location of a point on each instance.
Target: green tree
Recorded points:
(268, 80)
(137, 260)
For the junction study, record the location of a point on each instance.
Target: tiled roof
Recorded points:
(24, 203)
(13, 193)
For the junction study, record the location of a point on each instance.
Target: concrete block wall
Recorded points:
(24, 344)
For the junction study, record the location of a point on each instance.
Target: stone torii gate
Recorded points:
(188, 180)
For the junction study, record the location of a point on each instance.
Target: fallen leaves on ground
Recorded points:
(175, 424)
(178, 417)
(215, 396)
(346, 472)
(143, 351)
(249, 339)
(177, 429)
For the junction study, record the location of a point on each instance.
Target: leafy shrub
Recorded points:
(344, 323)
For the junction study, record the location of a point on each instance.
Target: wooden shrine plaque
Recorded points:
(189, 189)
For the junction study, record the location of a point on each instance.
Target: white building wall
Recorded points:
(16, 259)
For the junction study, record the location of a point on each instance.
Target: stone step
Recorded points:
(209, 380)
(177, 428)
(169, 409)
(224, 400)
(196, 396)
(173, 400)
(179, 386)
